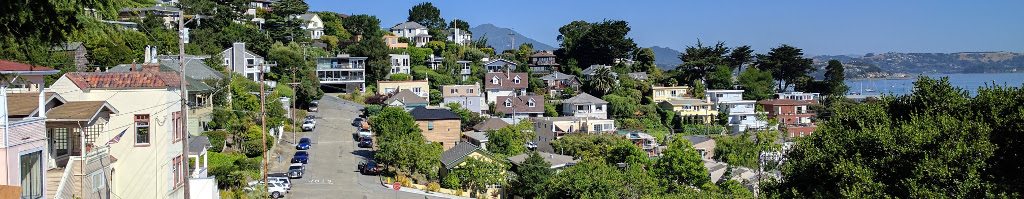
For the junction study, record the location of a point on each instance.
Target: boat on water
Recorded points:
(869, 90)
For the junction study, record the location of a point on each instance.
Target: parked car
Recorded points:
(313, 105)
(286, 184)
(308, 125)
(276, 190)
(357, 122)
(367, 142)
(531, 145)
(368, 168)
(296, 170)
(304, 144)
(280, 177)
(300, 157)
(363, 133)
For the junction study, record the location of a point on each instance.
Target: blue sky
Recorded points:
(819, 27)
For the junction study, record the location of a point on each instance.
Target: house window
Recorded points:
(142, 130)
(227, 61)
(673, 93)
(176, 122)
(430, 125)
(416, 90)
(32, 175)
(469, 90)
(454, 91)
(515, 80)
(581, 107)
(599, 107)
(60, 140)
(98, 180)
(176, 171)
(598, 128)
(250, 63)
(508, 103)
(718, 95)
(702, 153)
(494, 80)
(530, 103)
(801, 134)
(389, 90)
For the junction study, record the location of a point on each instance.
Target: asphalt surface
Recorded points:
(332, 171)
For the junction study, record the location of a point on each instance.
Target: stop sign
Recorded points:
(397, 186)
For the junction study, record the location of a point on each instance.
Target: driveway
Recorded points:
(332, 172)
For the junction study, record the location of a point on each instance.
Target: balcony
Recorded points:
(342, 79)
(466, 72)
(329, 66)
(545, 63)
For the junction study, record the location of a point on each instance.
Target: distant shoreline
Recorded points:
(914, 76)
(887, 78)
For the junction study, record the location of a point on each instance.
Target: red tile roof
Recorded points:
(16, 66)
(102, 80)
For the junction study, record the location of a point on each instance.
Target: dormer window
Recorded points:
(530, 103)
(515, 80)
(508, 102)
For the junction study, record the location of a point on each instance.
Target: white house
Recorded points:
(244, 62)
(311, 23)
(505, 84)
(412, 30)
(399, 63)
(742, 114)
(457, 36)
(585, 105)
(470, 97)
(151, 145)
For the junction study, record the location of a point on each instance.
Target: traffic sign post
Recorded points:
(396, 186)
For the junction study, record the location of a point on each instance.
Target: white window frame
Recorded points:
(516, 80)
(508, 103)
(495, 80)
(98, 181)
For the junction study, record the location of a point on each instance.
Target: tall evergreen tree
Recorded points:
(835, 78)
(786, 63)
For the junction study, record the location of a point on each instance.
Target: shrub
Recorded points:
(433, 186)
(404, 180)
(400, 77)
(451, 182)
(458, 192)
(216, 140)
(373, 109)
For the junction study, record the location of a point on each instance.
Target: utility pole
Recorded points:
(263, 118)
(184, 103)
(295, 95)
(512, 35)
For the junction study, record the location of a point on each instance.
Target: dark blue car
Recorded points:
(300, 157)
(304, 144)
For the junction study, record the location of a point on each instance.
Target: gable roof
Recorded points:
(452, 157)
(85, 111)
(408, 25)
(506, 62)
(116, 80)
(506, 81)
(406, 96)
(557, 76)
(423, 113)
(519, 104)
(22, 68)
(593, 69)
(305, 17)
(584, 98)
(26, 104)
(695, 139)
(543, 53)
(491, 124)
(198, 144)
(480, 136)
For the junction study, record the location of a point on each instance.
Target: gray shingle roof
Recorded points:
(491, 124)
(305, 17)
(477, 136)
(555, 160)
(557, 76)
(520, 104)
(408, 25)
(455, 155)
(406, 97)
(584, 98)
(694, 139)
(423, 113)
(197, 144)
(593, 69)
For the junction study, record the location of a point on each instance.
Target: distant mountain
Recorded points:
(666, 58)
(498, 38)
(932, 63)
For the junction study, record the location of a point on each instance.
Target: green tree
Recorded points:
(698, 89)
(366, 25)
(595, 43)
(476, 174)
(462, 25)
(737, 151)
(510, 140)
(586, 146)
(532, 177)
(721, 78)
(378, 62)
(401, 145)
(739, 56)
(723, 116)
(587, 179)
(427, 15)
(911, 146)
(451, 182)
(644, 61)
(701, 61)
(786, 63)
(757, 84)
(835, 78)
(681, 164)
(601, 83)
(469, 118)
(289, 7)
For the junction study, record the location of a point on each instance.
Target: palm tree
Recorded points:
(602, 82)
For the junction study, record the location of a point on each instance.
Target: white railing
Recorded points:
(65, 180)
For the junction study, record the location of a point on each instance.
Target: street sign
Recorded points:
(397, 186)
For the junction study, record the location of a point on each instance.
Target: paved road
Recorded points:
(332, 172)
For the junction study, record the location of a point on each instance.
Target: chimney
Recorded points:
(42, 102)
(148, 55)
(152, 55)
(133, 65)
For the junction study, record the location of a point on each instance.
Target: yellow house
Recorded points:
(662, 93)
(149, 153)
(691, 109)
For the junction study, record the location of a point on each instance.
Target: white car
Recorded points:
(275, 189)
(308, 125)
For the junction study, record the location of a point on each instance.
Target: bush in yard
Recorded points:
(216, 140)
(404, 180)
(433, 186)
(451, 182)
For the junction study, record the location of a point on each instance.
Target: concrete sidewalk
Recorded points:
(421, 192)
